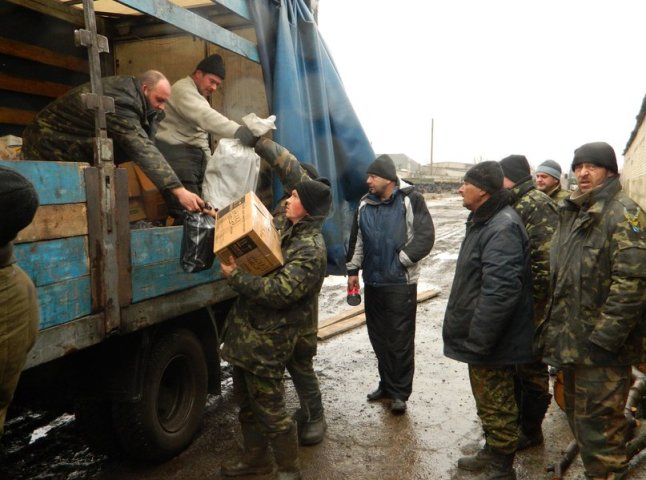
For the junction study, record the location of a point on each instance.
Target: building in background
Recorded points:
(633, 175)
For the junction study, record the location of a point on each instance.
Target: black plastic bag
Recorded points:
(197, 242)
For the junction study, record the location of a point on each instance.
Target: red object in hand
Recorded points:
(354, 297)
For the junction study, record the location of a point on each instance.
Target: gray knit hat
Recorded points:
(550, 167)
(486, 176)
(18, 204)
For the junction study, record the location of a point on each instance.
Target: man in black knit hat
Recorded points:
(488, 319)
(183, 134)
(594, 330)
(540, 217)
(391, 233)
(19, 317)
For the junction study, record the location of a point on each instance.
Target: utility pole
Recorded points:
(432, 126)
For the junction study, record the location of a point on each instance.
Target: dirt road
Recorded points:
(364, 441)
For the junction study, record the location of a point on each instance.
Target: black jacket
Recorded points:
(488, 319)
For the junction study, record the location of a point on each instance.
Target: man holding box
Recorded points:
(263, 327)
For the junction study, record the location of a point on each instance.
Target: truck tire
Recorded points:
(166, 418)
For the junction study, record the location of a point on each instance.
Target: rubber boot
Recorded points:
(501, 467)
(479, 461)
(285, 447)
(255, 458)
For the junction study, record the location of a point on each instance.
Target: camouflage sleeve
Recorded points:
(283, 162)
(540, 224)
(625, 304)
(125, 129)
(301, 273)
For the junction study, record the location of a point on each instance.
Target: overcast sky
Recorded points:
(497, 77)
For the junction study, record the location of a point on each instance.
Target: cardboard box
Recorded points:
(136, 209)
(245, 230)
(134, 190)
(154, 203)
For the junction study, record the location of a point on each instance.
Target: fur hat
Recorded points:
(597, 153)
(316, 196)
(18, 204)
(383, 167)
(212, 64)
(486, 176)
(516, 168)
(550, 167)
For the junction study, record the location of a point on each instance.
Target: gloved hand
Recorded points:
(246, 136)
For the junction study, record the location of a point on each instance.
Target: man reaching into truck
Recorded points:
(63, 131)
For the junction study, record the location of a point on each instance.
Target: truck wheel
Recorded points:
(166, 418)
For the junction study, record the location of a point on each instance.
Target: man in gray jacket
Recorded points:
(183, 135)
(488, 322)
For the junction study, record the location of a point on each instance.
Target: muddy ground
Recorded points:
(364, 440)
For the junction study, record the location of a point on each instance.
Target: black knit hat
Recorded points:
(18, 204)
(383, 167)
(212, 64)
(316, 196)
(486, 176)
(516, 168)
(597, 153)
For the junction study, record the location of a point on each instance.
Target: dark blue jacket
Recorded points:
(390, 237)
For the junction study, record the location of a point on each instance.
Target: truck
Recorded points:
(126, 336)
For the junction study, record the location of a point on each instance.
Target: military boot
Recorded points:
(312, 432)
(285, 447)
(501, 467)
(255, 458)
(477, 462)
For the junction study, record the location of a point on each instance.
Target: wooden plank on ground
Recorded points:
(56, 221)
(355, 317)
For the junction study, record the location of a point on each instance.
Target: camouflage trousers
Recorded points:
(262, 402)
(301, 368)
(493, 391)
(595, 398)
(532, 385)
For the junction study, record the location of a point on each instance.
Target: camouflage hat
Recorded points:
(18, 204)
(596, 153)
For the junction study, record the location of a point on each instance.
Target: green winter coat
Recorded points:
(540, 217)
(64, 130)
(597, 311)
(270, 312)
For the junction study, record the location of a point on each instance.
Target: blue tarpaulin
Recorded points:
(315, 119)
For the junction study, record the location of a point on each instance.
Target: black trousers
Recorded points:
(390, 318)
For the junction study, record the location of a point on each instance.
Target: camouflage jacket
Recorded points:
(270, 312)
(597, 311)
(540, 216)
(559, 194)
(64, 130)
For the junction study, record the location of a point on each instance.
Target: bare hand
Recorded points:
(188, 200)
(353, 281)
(228, 267)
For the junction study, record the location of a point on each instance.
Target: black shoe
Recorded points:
(377, 395)
(312, 432)
(398, 406)
(528, 441)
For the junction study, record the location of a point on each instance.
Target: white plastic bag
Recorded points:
(232, 170)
